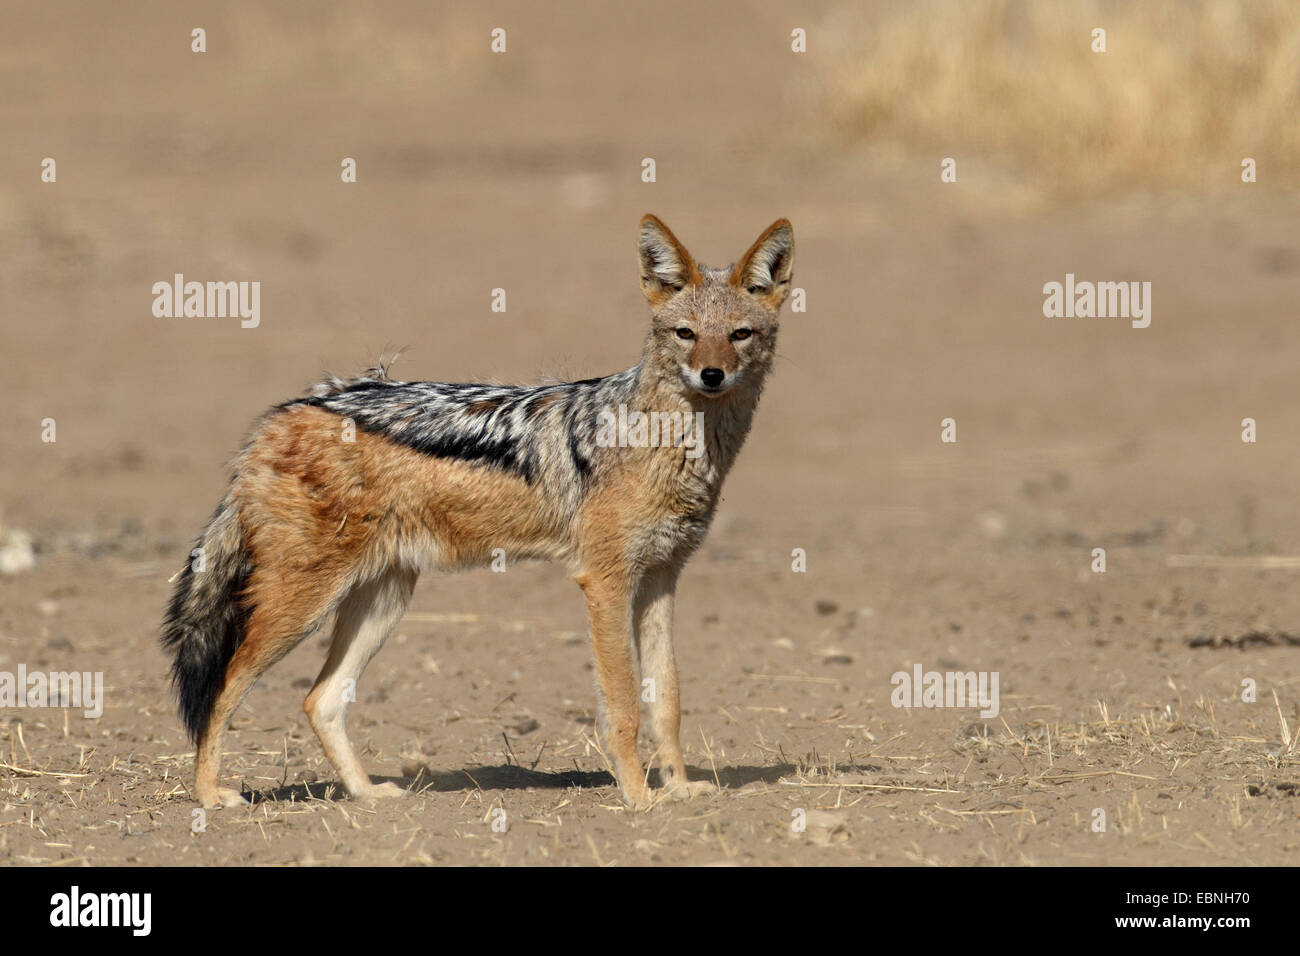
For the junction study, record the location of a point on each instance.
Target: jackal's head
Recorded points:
(713, 329)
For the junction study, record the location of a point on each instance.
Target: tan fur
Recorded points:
(345, 527)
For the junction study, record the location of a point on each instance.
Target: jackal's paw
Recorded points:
(639, 801)
(380, 791)
(224, 797)
(686, 789)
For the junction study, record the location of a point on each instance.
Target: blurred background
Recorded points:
(522, 171)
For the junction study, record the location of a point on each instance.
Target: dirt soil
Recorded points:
(1121, 692)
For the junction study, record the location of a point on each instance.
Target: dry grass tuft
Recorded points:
(1186, 89)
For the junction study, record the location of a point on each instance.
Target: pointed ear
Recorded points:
(765, 270)
(666, 266)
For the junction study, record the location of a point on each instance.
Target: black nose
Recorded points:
(712, 377)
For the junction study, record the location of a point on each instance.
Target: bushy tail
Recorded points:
(207, 616)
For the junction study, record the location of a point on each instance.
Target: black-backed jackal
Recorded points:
(438, 476)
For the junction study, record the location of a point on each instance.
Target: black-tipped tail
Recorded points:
(207, 617)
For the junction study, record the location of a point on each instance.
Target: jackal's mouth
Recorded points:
(709, 391)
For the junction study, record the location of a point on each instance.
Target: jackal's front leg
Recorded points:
(654, 642)
(609, 608)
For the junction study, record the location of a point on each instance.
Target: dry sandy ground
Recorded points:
(523, 171)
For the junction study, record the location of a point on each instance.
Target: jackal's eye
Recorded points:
(685, 333)
(756, 289)
(739, 335)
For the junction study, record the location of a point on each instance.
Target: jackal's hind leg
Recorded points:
(365, 619)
